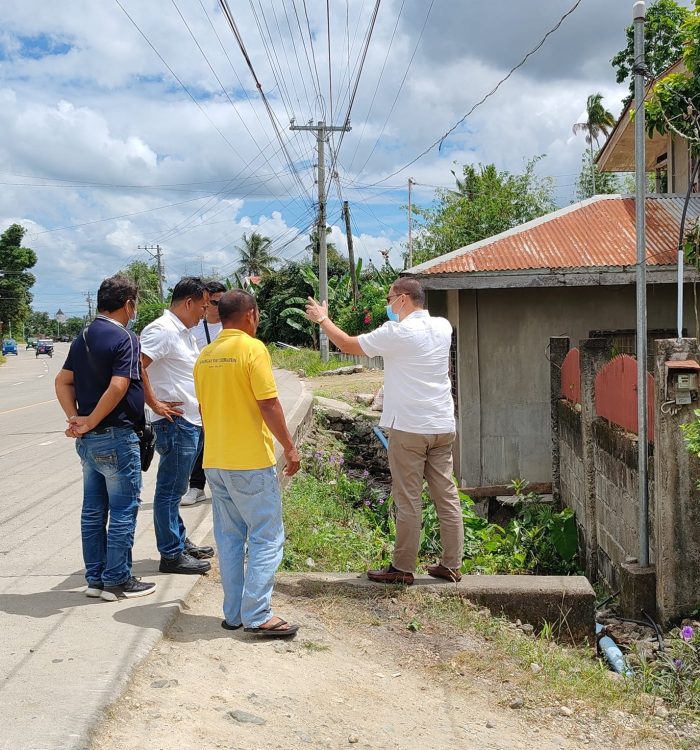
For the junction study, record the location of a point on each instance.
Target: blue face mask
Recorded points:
(391, 314)
(132, 321)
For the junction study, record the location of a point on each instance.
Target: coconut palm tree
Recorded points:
(256, 258)
(598, 120)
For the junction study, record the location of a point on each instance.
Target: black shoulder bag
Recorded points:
(145, 432)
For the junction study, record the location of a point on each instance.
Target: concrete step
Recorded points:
(566, 602)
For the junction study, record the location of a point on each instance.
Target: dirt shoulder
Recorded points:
(346, 387)
(355, 675)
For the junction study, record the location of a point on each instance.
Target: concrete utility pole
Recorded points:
(88, 299)
(638, 14)
(322, 130)
(158, 255)
(410, 224)
(351, 252)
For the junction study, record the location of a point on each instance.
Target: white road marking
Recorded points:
(48, 442)
(42, 376)
(20, 382)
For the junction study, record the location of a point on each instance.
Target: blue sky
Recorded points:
(103, 149)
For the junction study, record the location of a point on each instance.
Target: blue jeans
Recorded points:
(111, 488)
(247, 506)
(177, 443)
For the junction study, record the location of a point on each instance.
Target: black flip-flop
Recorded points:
(226, 626)
(277, 630)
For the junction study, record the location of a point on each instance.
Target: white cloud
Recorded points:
(85, 98)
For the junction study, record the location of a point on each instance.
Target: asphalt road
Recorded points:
(63, 657)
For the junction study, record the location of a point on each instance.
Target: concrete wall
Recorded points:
(596, 469)
(617, 500)
(504, 371)
(678, 165)
(571, 472)
(676, 512)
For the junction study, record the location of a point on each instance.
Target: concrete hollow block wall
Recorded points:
(595, 473)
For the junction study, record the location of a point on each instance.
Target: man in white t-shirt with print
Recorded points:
(419, 414)
(168, 354)
(204, 332)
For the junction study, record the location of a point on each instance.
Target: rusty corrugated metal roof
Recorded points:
(597, 233)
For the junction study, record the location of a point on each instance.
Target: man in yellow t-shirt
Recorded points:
(241, 414)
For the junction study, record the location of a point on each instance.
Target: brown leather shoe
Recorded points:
(440, 571)
(390, 575)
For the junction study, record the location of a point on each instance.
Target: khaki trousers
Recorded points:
(413, 457)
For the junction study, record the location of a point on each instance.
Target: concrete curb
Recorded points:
(566, 602)
(299, 420)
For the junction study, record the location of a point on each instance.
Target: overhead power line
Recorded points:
(379, 79)
(335, 149)
(221, 85)
(241, 44)
(522, 62)
(177, 78)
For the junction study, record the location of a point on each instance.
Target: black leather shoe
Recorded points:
(201, 553)
(185, 564)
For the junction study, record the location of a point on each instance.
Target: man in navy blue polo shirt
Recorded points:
(100, 389)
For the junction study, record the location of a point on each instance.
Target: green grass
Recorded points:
(308, 360)
(567, 674)
(318, 527)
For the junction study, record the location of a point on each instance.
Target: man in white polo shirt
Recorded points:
(208, 328)
(168, 354)
(419, 413)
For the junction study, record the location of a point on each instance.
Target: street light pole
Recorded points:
(638, 14)
(60, 318)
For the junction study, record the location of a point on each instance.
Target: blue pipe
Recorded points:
(381, 437)
(612, 652)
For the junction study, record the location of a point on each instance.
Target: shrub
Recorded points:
(537, 540)
(675, 674)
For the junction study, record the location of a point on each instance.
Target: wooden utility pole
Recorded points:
(322, 130)
(158, 255)
(351, 252)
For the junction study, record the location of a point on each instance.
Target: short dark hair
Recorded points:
(188, 286)
(411, 288)
(234, 303)
(214, 287)
(115, 291)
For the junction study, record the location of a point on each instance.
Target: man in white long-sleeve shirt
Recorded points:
(419, 414)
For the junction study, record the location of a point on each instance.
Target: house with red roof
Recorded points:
(569, 273)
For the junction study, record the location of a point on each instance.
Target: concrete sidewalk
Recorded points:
(65, 657)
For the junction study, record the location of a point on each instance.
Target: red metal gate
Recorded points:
(616, 394)
(571, 377)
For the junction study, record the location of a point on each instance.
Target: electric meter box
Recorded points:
(681, 383)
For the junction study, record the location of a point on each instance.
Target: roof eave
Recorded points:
(422, 267)
(539, 278)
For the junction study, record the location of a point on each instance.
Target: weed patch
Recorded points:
(307, 360)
